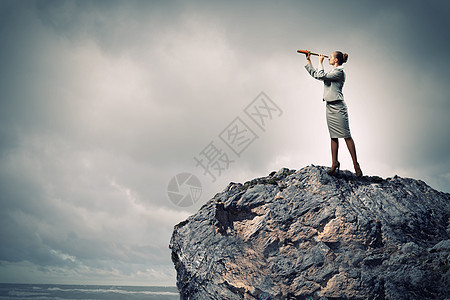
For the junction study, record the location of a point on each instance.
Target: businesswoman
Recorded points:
(336, 109)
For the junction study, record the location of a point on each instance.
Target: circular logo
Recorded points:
(184, 189)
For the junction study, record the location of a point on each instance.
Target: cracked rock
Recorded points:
(307, 235)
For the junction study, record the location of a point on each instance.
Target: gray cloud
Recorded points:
(103, 102)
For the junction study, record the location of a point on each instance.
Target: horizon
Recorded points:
(70, 284)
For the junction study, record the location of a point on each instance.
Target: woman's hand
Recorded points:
(321, 57)
(308, 57)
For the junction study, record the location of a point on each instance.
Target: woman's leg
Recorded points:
(352, 149)
(334, 151)
(334, 155)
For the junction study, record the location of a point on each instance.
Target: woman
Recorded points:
(337, 116)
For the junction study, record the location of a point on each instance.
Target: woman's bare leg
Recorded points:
(334, 155)
(352, 149)
(334, 151)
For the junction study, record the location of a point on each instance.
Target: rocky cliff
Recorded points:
(307, 235)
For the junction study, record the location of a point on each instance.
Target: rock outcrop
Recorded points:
(307, 235)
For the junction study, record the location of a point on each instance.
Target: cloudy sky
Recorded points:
(104, 102)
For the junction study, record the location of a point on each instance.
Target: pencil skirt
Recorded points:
(337, 119)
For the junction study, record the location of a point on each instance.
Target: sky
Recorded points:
(105, 103)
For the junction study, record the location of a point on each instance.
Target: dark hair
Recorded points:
(341, 57)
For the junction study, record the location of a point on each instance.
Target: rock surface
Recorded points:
(307, 235)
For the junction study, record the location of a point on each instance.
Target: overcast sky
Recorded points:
(104, 102)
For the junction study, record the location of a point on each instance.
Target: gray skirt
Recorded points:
(337, 119)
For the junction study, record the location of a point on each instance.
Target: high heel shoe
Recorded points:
(333, 168)
(358, 171)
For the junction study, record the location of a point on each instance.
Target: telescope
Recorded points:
(312, 53)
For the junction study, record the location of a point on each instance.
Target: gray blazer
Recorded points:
(333, 81)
